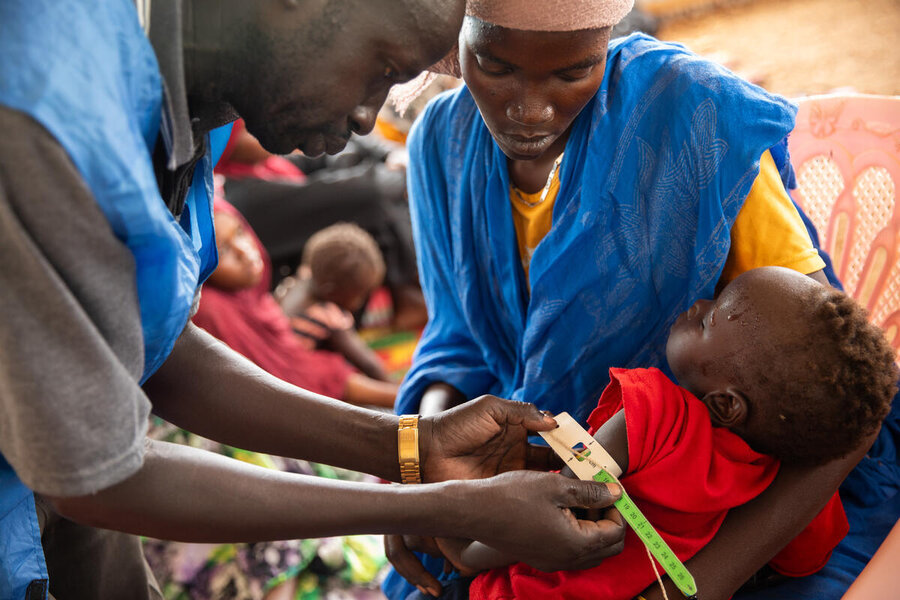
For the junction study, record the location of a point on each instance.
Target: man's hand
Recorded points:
(527, 516)
(478, 439)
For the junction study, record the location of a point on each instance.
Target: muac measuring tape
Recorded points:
(591, 462)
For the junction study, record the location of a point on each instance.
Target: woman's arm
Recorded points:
(438, 397)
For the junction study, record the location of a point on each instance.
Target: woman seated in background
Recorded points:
(237, 308)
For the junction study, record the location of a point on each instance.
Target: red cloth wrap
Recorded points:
(252, 323)
(684, 475)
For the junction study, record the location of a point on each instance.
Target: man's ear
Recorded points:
(727, 408)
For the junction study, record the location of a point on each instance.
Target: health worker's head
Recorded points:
(307, 73)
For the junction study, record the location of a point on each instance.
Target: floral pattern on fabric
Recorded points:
(338, 568)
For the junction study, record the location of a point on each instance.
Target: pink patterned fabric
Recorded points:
(846, 151)
(550, 15)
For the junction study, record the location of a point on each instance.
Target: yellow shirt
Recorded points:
(767, 215)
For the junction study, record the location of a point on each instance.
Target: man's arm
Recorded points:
(187, 494)
(182, 493)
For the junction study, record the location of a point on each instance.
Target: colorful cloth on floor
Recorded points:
(342, 568)
(252, 323)
(684, 475)
(394, 348)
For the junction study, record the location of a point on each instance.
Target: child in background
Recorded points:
(236, 307)
(777, 370)
(340, 268)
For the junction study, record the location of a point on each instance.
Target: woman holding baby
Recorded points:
(568, 203)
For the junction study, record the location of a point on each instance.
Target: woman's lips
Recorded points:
(532, 144)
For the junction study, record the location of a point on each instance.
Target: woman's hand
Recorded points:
(399, 551)
(479, 439)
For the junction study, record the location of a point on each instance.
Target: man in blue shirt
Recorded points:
(109, 111)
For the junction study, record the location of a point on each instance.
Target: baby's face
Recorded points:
(710, 342)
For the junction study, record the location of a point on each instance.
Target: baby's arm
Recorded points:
(471, 557)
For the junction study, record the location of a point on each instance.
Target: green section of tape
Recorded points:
(678, 573)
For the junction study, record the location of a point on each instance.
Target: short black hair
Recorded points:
(343, 254)
(830, 390)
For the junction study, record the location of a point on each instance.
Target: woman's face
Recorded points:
(530, 85)
(240, 263)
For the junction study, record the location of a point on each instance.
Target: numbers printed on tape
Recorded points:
(645, 531)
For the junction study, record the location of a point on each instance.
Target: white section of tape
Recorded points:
(581, 452)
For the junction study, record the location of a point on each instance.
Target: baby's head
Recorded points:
(790, 365)
(344, 265)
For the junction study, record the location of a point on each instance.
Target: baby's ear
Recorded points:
(727, 408)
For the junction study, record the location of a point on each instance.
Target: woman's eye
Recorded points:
(492, 68)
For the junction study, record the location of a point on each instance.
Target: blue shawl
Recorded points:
(656, 169)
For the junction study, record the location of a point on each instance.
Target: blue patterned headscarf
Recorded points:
(656, 169)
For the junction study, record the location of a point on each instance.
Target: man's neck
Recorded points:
(203, 56)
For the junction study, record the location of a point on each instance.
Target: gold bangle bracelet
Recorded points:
(408, 449)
